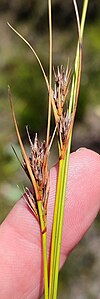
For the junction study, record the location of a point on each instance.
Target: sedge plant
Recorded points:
(36, 165)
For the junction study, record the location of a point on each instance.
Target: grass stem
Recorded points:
(44, 247)
(50, 70)
(62, 180)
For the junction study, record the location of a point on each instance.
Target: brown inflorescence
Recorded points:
(61, 88)
(62, 83)
(38, 163)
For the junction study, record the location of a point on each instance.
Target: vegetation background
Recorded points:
(18, 68)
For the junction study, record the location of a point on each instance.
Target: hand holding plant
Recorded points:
(36, 165)
(21, 262)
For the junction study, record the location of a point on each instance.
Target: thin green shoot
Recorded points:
(61, 184)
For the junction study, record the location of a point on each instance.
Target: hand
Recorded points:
(21, 265)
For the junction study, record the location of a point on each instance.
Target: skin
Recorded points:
(21, 265)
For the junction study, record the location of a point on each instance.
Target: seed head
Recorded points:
(38, 164)
(61, 87)
(64, 125)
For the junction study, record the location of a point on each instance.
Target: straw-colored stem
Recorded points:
(72, 101)
(84, 16)
(35, 54)
(50, 70)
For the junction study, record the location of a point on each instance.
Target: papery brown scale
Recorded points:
(38, 163)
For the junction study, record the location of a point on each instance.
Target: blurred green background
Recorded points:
(18, 68)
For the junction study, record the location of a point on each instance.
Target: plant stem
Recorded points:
(72, 97)
(39, 203)
(60, 215)
(85, 5)
(61, 186)
(53, 252)
(44, 246)
(50, 70)
(35, 54)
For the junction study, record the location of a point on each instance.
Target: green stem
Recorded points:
(44, 246)
(57, 229)
(85, 5)
(54, 230)
(44, 242)
(60, 224)
(61, 187)
(72, 97)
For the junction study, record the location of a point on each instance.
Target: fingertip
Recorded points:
(87, 152)
(82, 196)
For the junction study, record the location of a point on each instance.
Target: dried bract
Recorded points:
(31, 201)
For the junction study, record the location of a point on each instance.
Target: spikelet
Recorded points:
(38, 164)
(61, 88)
